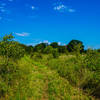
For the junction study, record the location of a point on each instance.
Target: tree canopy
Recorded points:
(75, 45)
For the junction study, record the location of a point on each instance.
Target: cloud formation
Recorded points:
(60, 7)
(4, 11)
(71, 10)
(29, 9)
(33, 7)
(23, 34)
(63, 8)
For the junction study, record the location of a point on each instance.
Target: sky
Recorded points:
(36, 21)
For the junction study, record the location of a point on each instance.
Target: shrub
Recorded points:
(10, 48)
(36, 56)
(75, 46)
(15, 79)
(49, 57)
(62, 49)
(55, 53)
(48, 50)
(92, 60)
(7, 77)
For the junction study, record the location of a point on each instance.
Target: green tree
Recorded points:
(48, 50)
(62, 49)
(54, 45)
(92, 60)
(10, 48)
(55, 53)
(40, 47)
(75, 46)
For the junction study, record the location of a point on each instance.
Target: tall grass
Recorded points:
(82, 72)
(27, 79)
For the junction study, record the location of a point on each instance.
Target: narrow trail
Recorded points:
(45, 95)
(51, 86)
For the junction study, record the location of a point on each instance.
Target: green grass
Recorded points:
(81, 72)
(35, 81)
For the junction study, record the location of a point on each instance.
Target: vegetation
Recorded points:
(75, 46)
(10, 48)
(48, 72)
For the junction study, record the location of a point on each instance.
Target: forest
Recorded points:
(48, 71)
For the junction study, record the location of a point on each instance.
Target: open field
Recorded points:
(49, 73)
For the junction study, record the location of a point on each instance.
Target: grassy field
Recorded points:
(43, 79)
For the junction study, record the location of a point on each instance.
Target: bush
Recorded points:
(7, 77)
(36, 56)
(75, 46)
(92, 84)
(49, 57)
(48, 50)
(11, 49)
(15, 79)
(92, 60)
(55, 53)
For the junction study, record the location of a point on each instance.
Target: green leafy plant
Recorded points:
(10, 48)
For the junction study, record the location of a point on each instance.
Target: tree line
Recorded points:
(13, 49)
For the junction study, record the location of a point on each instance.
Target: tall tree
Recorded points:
(10, 48)
(75, 46)
(40, 47)
(54, 45)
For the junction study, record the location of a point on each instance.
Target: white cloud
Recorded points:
(4, 11)
(63, 8)
(23, 34)
(60, 7)
(59, 43)
(33, 7)
(71, 10)
(45, 41)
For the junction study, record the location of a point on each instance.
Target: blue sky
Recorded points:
(36, 21)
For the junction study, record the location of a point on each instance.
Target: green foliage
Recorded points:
(82, 71)
(28, 49)
(7, 38)
(36, 56)
(7, 77)
(49, 57)
(54, 45)
(48, 72)
(66, 69)
(75, 46)
(48, 50)
(62, 49)
(10, 49)
(29, 80)
(40, 47)
(92, 60)
(17, 81)
(55, 53)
